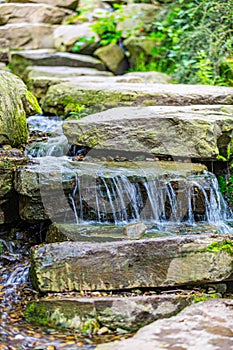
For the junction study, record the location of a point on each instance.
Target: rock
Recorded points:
(94, 233)
(139, 49)
(145, 77)
(104, 95)
(113, 57)
(202, 132)
(28, 35)
(31, 13)
(136, 16)
(65, 37)
(45, 190)
(185, 260)
(9, 160)
(4, 51)
(15, 103)
(206, 325)
(22, 59)
(70, 4)
(86, 314)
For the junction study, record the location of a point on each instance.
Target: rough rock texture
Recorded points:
(20, 60)
(136, 16)
(68, 266)
(100, 96)
(15, 103)
(87, 314)
(144, 77)
(140, 49)
(4, 51)
(28, 35)
(66, 35)
(94, 233)
(9, 160)
(206, 325)
(31, 13)
(113, 57)
(203, 132)
(71, 4)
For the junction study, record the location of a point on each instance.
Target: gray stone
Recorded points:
(15, 103)
(22, 59)
(155, 262)
(65, 37)
(31, 13)
(87, 314)
(145, 77)
(4, 51)
(28, 35)
(70, 4)
(113, 57)
(202, 132)
(103, 95)
(206, 325)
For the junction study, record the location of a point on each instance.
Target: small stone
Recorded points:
(19, 337)
(136, 230)
(103, 330)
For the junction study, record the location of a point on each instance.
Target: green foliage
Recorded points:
(82, 41)
(193, 39)
(226, 187)
(79, 112)
(226, 245)
(206, 297)
(1, 248)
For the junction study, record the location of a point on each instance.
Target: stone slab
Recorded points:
(201, 132)
(31, 13)
(28, 35)
(155, 262)
(87, 314)
(71, 4)
(105, 95)
(205, 325)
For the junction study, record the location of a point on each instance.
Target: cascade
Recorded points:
(161, 194)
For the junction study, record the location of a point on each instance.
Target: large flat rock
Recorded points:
(206, 325)
(104, 95)
(71, 4)
(155, 262)
(31, 13)
(22, 59)
(87, 314)
(28, 35)
(202, 132)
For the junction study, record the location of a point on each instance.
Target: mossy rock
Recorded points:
(16, 102)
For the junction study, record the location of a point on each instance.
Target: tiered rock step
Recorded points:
(155, 262)
(200, 132)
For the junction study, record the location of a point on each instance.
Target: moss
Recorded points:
(91, 138)
(33, 103)
(1, 248)
(226, 245)
(36, 313)
(206, 297)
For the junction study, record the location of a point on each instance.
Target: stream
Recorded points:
(47, 139)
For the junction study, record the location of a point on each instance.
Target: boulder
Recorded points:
(66, 36)
(103, 95)
(28, 35)
(201, 132)
(113, 57)
(155, 262)
(15, 103)
(205, 325)
(135, 16)
(70, 4)
(85, 315)
(22, 59)
(31, 13)
(139, 49)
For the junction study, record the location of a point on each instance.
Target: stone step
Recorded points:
(88, 314)
(42, 57)
(70, 4)
(28, 35)
(200, 132)
(205, 325)
(103, 95)
(44, 188)
(32, 13)
(155, 262)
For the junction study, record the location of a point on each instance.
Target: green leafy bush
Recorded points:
(193, 40)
